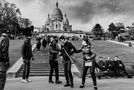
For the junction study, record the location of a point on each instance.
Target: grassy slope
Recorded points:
(15, 50)
(105, 49)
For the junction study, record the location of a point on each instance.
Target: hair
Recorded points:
(62, 37)
(100, 57)
(116, 56)
(87, 41)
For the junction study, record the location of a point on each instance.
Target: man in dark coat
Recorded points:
(53, 61)
(120, 67)
(101, 64)
(27, 55)
(4, 59)
(44, 42)
(38, 44)
(110, 66)
(67, 49)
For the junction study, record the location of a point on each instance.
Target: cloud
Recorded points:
(82, 14)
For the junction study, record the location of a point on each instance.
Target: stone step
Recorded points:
(41, 74)
(46, 71)
(41, 69)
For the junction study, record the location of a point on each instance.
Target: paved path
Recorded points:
(41, 83)
(121, 43)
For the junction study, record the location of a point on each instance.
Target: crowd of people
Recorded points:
(65, 49)
(113, 67)
(60, 47)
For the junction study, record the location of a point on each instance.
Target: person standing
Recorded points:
(89, 62)
(4, 59)
(53, 61)
(44, 42)
(38, 44)
(27, 55)
(67, 49)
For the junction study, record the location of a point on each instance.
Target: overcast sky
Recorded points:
(82, 14)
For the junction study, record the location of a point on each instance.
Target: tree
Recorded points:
(8, 16)
(120, 27)
(112, 30)
(97, 31)
(131, 31)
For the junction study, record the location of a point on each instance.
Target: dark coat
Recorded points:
(26, 50)
(4, 53)
(101, 63)
(53, 49)
(70, 49)
(4, 49)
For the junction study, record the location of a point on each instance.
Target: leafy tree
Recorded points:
(97, 31)
(8, 16)
(120, 27)
(113, 31)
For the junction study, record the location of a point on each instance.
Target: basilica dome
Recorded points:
(56, 14)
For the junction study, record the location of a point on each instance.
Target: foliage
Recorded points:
(8, 15)
(114, 30)
(97, 31)
(10, 20)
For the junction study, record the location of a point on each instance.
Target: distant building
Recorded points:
(57, 21)
(57, 24)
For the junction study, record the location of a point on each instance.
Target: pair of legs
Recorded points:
(92, 71)
(38, 45)
(2, 79)
(54, 66)
(3, 69)
(122, 68)
(26, 70)
(68, 73)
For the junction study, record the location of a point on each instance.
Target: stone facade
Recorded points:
(57, 21)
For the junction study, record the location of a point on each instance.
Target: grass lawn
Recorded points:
(15, 50)
(105, 49)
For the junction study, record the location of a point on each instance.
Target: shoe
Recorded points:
(58, 82)
(129, 77)
(82, 86)
(67, 85)
(72, 85)
(28, 80)
(24, 81)
(50, 81)
(95, 88)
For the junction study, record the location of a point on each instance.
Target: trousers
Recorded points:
(92, 72)
(67, 71)
(2, 80)
(26, 70)
(54, 66)
(3, 70)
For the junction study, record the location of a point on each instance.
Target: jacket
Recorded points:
(70, 49)
(26, 50)
(53, 49)
(4, 49)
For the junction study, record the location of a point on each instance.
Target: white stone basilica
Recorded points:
(57, 21)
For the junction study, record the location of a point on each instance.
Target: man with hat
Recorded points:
(4, 59)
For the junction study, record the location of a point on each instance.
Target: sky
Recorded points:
(82, 14)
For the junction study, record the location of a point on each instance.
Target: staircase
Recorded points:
(41, 69)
